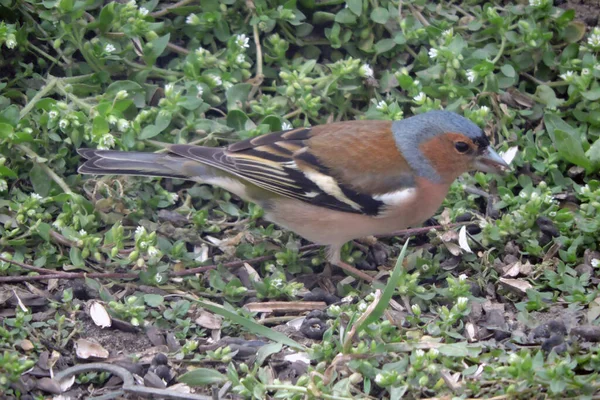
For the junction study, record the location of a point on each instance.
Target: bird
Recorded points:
(329, 183)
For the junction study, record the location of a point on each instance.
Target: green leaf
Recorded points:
(508, 70)
(592, 95)
(236, 119)
(345, 16)
(380, 15)
(202, 377)
(267, 350)
(459, 349)
(100, 126)
(237, 96)
(153, 300)
(76, 258)
(43, 230)
(593, 154)
(356, 6)
(574, 32)
(384, 45)
(39, 180)
(388, 292)
(155, 48)
(548, 96)
(570, 149)
(7, 172)
(250, 325)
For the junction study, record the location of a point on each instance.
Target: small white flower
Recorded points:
(433, 353)
(122, 94)
(201, 51)
(419, 353)
(109, 48)
(58, 224)
(240, 58)
(416, 82)
(169, 89)
(379, 379)
(286, 126)
(595, 262)
(462, 302)
(416, 310)
(144, 245)
(112, 120)
(173, 197)
(433, 53)
(362, 306)
(63, 123)
(471, 75)
(82, 232)
(597, 67)
(192, 19)
(552, 214)
(420, 98)
(462, 277)
(11, 42)
(216, 79)
(200, 90)
(3, 185)
(585, 71)
(594, 39)
(568, 76)
(152, 251)
(122, 125)
(484, 109)
(448, 32)
(36, 196)
(158, 278)
(381, 105)
(143, 11)
(132, 3)
(107, 141)
(366, 71)
(139, 231)
(242, 41)
(535, 3)
(277, 283)
(53, 114)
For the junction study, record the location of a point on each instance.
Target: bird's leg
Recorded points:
(334, 258)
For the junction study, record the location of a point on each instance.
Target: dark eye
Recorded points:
(461, 147)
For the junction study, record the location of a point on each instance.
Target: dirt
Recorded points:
(587, 11)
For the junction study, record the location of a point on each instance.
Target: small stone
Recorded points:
(584, 269)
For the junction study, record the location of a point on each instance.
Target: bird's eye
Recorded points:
(461, 147)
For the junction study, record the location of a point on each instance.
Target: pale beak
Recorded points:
(490, 161)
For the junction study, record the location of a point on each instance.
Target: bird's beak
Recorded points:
(490, 161)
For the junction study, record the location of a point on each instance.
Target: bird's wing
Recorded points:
(351, 166)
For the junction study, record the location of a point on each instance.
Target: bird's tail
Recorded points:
(113, 162)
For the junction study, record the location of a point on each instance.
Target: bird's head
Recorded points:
(442, 145)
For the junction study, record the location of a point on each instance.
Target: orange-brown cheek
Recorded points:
(448, 163)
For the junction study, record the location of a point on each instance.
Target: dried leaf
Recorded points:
(517, 286)
(509, 155)
(286, 306)
(208, 320)
(99, 315)
(462, 239)
(86, 349)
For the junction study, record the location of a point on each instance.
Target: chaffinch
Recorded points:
(329, 183)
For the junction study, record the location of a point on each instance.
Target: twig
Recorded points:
(417, 14)
(168, 9)
(31, 267)
(258, 79)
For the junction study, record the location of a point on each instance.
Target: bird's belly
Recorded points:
(329, 227)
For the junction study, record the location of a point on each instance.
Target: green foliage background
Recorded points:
(112, 75)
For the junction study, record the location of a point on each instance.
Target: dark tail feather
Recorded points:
(112, 162)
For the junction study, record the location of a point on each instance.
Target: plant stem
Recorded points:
(45, 90)
(35, 158)
(501, 51)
